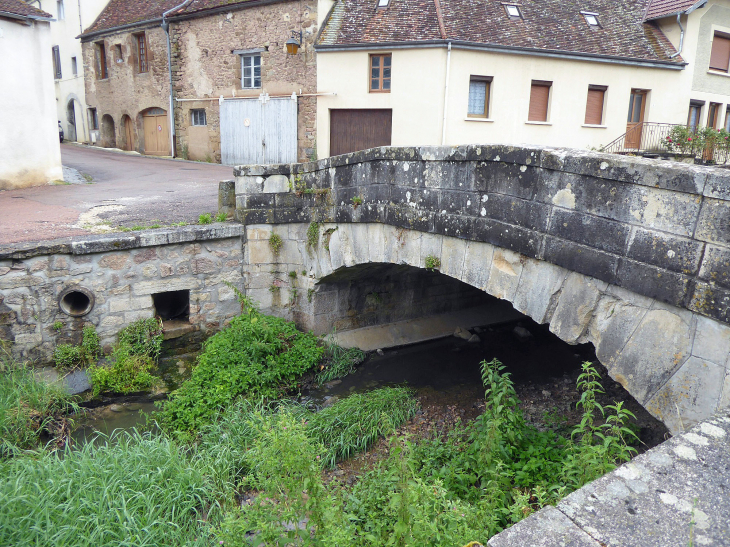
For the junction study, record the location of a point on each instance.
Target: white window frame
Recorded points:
(591, 19)
(249, 82)
(195, 117)
(61, 10)
(513, 11)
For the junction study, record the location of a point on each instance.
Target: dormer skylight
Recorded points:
(383, 3)
(591, 19)
(513, 10)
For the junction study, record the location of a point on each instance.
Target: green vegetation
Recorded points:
(29, 408)
(68, 356)
(221, 217)
(338, 362)
(57, 326)
(313, 234)
(133, 357)
(356, 201)
(275, 242)
(433, 263)
(205, 218)
(256, 356)
(128, 490)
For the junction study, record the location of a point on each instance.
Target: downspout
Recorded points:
(681, 36)
(166, 27)
(442, 32)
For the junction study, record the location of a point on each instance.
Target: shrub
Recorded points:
(432, 263)
(255, 356)
(221, 217)
(275, 242)
(69, 356)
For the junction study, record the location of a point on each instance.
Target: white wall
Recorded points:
(30, 153)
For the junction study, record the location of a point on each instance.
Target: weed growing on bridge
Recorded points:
(313, 234)
(221, 217)
(68, 356)
(276, 243)
(356, 201)
(433, 263)
(338, 362)
(205, 218)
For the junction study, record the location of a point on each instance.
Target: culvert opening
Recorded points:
(172, 305)
(76, 302)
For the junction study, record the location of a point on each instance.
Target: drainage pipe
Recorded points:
(446, 94)
(681, 36)
(166, 27)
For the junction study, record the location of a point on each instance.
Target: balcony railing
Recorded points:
(649, 138)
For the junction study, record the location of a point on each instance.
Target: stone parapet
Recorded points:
(656, 228)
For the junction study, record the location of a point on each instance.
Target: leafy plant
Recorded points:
(310, 294)
(328, 236)
(275, 242)
(356, 201)
(68, 356)
(205, 218)
(433, 263)
(338, 362)
(57, 326)
(221, 217)
(313, 234)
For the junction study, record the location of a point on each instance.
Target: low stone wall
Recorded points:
(119, 274)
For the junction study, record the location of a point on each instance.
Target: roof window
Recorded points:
(591, 19)
(513, 11)
(383, 3)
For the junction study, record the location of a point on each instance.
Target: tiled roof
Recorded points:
(662, 8)
(119, 13)
(16, 7)
(550, 25)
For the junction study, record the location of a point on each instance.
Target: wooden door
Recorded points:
(156, 135)
(637, 105)
(129, 139)
(713, 114)
(359, 129)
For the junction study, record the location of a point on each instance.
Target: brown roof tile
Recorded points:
(551, 25)
(662, 8)
(16, 7)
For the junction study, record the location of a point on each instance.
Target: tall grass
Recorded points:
(128, 490)
(29, 407)
(338, 362)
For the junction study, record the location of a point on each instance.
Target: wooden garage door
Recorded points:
(359, 129)
(156, 133)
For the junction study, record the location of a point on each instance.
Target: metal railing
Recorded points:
(647, 138)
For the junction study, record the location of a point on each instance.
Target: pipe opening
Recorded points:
(172, 305)
(76, 302)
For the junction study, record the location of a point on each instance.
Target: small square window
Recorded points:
(197, 116)
(478, 106)
(251, 71)
(513, 11)
(591, 19)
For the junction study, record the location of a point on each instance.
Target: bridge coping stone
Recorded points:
(674, 494)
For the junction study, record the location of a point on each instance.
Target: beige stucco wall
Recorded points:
(418, 78)
(30, 153)
(714, 18)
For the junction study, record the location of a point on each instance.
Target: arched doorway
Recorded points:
(108, 132)
(156, 132)
(128, 133)
(71, 119)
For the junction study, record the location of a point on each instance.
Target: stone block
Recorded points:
(259, 251)
(165, 285)
(258, 231)
(150, 253)
(249, 185)
(690, 396)
(114, 261)
(718, 183)
(203, 266)
(31, 339)
(712, 341)
(378, 236)
(111, 321)
(663, 285)
(537, 290)
(527, 214)
(275, 184)
(81, 270)
(504, 274)
(507, 178)
(449, 175)
(661, 343)
(19, 280)
(508, 236)
(360, 243)
(724, 402)
(596, 232)
(132, 316)
(574, 311)
(666, 251)
(614, 321)
(477, 264)
(715, 266)
(454, 225)
(581, 259)
(546, 528)
(408, 248)
(713, 220)
(711, 301)
(452, 257)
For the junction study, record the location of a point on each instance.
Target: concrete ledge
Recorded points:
(81, 245)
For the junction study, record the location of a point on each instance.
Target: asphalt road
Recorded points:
(127, 190)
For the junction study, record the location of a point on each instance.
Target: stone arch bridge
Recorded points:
(629, 254)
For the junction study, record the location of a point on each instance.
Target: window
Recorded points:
(251, 71)
(74, 67)
(197, 116)
(118, 58)
(101, 69)
(594, 104)
(591, 19)
(479, 97)
(693, 119)
(61, 10)
(720, 55)
(513, 11)
(539, 100)
(141, 42)
(56, 63)
(93, 119)
(380, 73)
(727, 118)
(713, 115)
(383, 3)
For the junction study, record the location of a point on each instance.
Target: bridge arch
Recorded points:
(665, 356)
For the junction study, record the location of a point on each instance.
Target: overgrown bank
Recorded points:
(252, 463)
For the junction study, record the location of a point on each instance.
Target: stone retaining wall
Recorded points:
(122, 273)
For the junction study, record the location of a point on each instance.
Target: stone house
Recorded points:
(543, 72)
(237, 95)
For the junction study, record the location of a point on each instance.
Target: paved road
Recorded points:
(127, 190)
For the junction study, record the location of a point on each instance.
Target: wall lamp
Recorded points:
(294, 42)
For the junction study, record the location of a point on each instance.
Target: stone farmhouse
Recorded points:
(30, 154)
(210, 80)
(578, 73)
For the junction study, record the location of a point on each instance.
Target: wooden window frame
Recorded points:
(540, 83)
(102, 69)
(725, 37)
(488, 94)
(713, 108)
(699, 105)
(727, 118)
(602, 89)
(381, 79)
(140, 42)
(252, 78)
(193, 112)
(56, 62)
